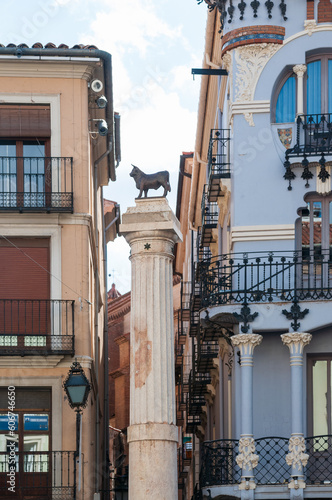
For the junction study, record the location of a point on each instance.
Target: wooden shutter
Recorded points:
(27, 398)
(24, 287)
(25, 120)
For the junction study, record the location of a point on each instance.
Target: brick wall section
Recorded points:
(259, 30)
(324, 11)
(310, 9)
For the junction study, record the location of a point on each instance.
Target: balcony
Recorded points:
(313, 139)
(265, 277)
(210, 215)
(36, 184)
(39, 475)
(219, 466)
(218, 161)
(36, 327)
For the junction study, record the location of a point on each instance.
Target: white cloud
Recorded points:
(131, 25)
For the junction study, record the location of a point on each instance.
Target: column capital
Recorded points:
(246, 342)
(299, 70)
(296, 341)
(151, 217)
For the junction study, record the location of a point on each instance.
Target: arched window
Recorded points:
(319, 84)
(286, 102)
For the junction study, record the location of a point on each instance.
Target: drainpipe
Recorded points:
(97, 293)
(20, 52)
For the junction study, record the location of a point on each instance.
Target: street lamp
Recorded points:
(77, 388)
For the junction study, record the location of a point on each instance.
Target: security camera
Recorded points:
(101, 102)
(102, 127)
(96, 85)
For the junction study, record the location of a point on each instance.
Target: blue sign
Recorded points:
(9, 422)
(36, 422)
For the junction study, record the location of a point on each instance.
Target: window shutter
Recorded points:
(25, 121)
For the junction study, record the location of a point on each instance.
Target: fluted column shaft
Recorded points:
(299, 70)
(247, 459)
(296, 458)
(151, 229)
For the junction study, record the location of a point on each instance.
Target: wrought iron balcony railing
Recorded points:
(219, 467)
(36, 327)
(218, 161)
(36, 184)
(313, 138)
(210, 214)
(39, 475)
(265, 277)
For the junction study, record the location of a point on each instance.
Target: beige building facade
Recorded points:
(57, 150)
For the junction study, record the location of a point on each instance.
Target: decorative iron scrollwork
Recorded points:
(289, 174)
(306, 174)
(269, 5)
(283, 8)
(323, 174)
(255, 4)
(245, 317)
(230, 11)
(295, 314)
(242, 5)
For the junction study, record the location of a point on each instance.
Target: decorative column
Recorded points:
(247, 459)
(152, 229)
(299, 70)
(296, 458)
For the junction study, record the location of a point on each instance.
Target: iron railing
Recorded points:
(218, 154)
(40, 475)
(219, 467)
(313, 135)
(265, 277)
(36, 184)
(319, 466)
(210, 211)
(30, 327)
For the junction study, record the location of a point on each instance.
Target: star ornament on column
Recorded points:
(147, 246)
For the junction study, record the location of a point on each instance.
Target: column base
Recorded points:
(153, 461)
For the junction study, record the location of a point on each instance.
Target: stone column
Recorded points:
(296, 458)
(152, 229)
(247, 459)
(299, 70)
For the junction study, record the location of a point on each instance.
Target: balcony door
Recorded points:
(25, 173)
(316, 241)
(25, 444)
(25, 315)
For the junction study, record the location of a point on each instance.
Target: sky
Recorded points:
(154, 45)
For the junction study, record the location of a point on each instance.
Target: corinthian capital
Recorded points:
(246, 342)
(296, 341)
(299, 70)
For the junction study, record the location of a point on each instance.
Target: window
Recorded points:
(286, 102)
(25, 315)
(316, 228)
(24, 147)
(25, 440)
(319, 85)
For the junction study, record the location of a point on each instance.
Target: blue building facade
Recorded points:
(259, 387)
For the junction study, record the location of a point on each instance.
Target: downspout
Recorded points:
(20, 52)
(97, 293)
(106, 458)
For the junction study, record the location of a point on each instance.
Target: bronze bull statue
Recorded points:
(144, 182)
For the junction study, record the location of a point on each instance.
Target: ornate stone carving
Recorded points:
(250, 60)
(246, 342)
(310, 25)
(299, 70)
(296, 341)
(247, 459)
(296, 458)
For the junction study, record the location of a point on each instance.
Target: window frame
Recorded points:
(323, 57)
